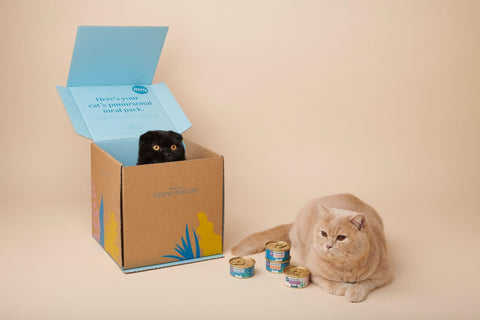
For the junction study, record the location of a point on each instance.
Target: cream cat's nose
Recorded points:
(328, 246)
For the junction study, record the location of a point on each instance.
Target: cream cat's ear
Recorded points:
(323, 210)
(359, 221)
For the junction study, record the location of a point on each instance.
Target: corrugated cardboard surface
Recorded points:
(196, 151)
(162, 201)
(106, 201)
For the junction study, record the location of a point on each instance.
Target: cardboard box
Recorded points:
(147, 216)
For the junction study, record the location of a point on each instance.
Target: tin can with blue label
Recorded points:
(276, 266)
(242, 267)
(277, 251)
(296, 277)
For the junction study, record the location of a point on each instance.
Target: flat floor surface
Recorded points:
(53, 269)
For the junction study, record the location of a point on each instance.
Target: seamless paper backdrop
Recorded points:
(303, 98)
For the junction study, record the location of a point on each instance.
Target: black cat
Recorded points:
(160, 146)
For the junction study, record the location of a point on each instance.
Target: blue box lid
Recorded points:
(109, 93)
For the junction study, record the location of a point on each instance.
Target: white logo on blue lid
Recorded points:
(140, 89)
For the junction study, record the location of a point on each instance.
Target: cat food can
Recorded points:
(242, 267)
(276, 266)
(296, 277)
(277, 250)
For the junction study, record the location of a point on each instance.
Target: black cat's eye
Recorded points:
(156, 147)
(341, 237)
(173, 147)
(324, 234)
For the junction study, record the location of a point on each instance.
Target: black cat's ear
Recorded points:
(147, 136)
(175, 135)
(359, 221)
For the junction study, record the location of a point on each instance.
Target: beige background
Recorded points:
(303, 98)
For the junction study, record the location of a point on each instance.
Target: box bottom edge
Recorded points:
(171, 264)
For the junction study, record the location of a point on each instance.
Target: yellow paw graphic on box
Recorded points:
(210, 242)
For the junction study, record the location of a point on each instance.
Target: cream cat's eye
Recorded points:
(324, 234)
(156, 147)
(173, 147)
(341, 237)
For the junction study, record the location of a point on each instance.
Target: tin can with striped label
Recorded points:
(277, 250)
(276, 266)
(296, 277)
(242, 267)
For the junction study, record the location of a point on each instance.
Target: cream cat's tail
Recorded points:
(255, 243)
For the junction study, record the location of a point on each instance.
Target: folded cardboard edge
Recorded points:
(171, 264)
(95, 145)
(171, 107)
(164, 96)
(76, 118)
(125, 150)
(195, 150)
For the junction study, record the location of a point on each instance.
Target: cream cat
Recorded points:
(340, 239)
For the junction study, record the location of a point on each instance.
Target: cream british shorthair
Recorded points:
(340, 239)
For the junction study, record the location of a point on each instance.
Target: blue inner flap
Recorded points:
(112, 56)
(124, 150)
(109, 95)
(118, 112)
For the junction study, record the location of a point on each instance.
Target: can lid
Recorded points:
(277, 245)
(296, 272)
(242, 262)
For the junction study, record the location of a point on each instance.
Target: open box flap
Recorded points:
(119, 112)
(109, 93)
(114, 56)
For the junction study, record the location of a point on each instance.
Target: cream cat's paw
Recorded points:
(341, 288)
(356, 293)
(332, 287)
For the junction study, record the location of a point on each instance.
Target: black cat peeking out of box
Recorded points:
(160, 146)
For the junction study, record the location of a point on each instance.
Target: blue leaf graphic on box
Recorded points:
(186, 250)
(102, 227)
